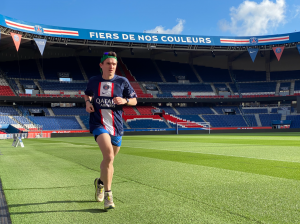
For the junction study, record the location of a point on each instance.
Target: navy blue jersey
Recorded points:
(108, 115)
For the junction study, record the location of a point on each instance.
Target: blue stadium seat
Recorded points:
(21, 69)
(69, 111)
(225, 120)
(295, 120)
(146, 123)
(255, 111)
(194, 110)
(248, 76)
(56, 123)
(8, 110)
(208, 74)
(266, 119)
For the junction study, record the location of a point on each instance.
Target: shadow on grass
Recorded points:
(49, 202)
(61, 211)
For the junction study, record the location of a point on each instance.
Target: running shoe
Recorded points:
(99, 190)
(108, 201)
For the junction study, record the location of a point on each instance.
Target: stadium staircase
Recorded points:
(196, 73)
(19, 86)
(257, 120)
(136, 110)
(277, 89)
(40, 68)
(292, 87)
(38, 85)
(125, 123)
(213, 110)
(127, 73)
(79, 122)
(176, 111)
(167, 123)
(159, 71)
(19, 125)
(81, 69)
(214, 89)
(51, 111)
(228, 86)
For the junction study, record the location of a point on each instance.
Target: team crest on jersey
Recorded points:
(38, 29)
(253, 40)
(106, 87)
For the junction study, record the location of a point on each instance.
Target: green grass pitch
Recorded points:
(217, 178)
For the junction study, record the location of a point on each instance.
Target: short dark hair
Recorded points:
(110, 53)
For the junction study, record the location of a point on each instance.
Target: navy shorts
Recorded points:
(115, 140)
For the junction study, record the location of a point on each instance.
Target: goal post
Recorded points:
(188, 124)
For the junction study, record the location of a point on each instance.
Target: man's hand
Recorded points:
(89, 107)
(120, 101)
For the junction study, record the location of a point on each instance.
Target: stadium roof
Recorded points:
(102, 38)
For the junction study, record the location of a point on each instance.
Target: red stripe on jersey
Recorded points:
(99, 89)
(102, 116)
(112, 89)
(113, 121)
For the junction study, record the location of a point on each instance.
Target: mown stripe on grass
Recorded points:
(288, 170)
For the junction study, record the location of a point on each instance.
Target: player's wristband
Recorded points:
(87, 101)
(127, 101)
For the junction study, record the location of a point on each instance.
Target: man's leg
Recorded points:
(106, 166)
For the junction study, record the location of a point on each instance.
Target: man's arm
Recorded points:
(123, 101)
(88, 106)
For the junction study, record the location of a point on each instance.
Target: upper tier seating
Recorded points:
(233, 88)
(51, 67)
(185, 88)
(220, 85)
(172, 69)
(255, 111)
(127, 73)
(25, 122)
(164, 95)
(261, 87)
(266, 119)
(69, 111)
(139, 91)
(142, 69)
(219, 109)
(194, 110)
(249, 76)
(21, 69)
(192, 118)
(25, 110)
(208, 74)
(145, 110)
(285, 84)
(8, 110)
(132, 117)
(56, 123)
(295, 120)
(285, 75)
(56, 85)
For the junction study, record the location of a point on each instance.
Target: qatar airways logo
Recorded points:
(151, 38)
(105, 102)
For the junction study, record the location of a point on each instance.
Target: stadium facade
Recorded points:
(231, 82)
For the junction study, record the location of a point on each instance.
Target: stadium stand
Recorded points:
(173, 70)
(6, 120)
(57, 123)
(168, 110)
(173, 120)
(194, 110)
(25, 110)
(225, 120)
(284, 75)
(145, 110)
(250, 118)
(85, 121)
(255, 111)
(249, 76)
(5, 90)
(220, 109)
(146, 123)
(8, 110)
(208, 74)
(26, 69)
(129, 111)
(266, 119)
(164, 95)
(204, 88)
(295, 120)
(51, 68)
(142, 69)
(69, 111)
(297, 87)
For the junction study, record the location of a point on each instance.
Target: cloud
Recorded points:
(177, 29)
(251, 18)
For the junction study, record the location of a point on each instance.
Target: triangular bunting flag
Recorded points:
(17, 39)
(253, 53)
(278, 51)
(41, 43)
(298, 47)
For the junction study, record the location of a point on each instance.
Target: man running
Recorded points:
(104, 96)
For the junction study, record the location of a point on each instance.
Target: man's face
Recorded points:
(109, 66)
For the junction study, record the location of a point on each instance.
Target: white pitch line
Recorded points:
(213, 154)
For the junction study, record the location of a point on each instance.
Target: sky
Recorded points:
(197, 17)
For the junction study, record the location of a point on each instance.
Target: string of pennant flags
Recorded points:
(41, 43)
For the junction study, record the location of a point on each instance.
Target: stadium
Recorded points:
(223, 93)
